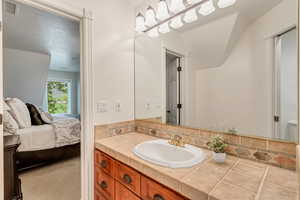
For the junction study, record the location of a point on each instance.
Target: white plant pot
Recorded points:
(219, 157)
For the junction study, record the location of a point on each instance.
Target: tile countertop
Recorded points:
(236, 179)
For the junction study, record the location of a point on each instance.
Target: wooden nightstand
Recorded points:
(12, 183)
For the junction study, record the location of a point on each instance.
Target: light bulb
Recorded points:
(140, 23)
(177, 6)
(150, 17)
(176, 22)
(226, 3)
(164, 28)
(162, 10)
(153, 33)
(190, 16)
(191, 2)
(207, 8)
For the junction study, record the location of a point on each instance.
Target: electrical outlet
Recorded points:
(102, 107)
(117, 107)
(147, 106)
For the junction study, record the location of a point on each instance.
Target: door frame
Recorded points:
(85, 17)
(183, 64)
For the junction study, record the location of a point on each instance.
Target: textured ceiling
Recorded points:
(35, 30)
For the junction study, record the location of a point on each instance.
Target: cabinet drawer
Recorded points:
(98, 196)
(104, 184)
(128, 177)
(151, 190)
(122, 193)
(104, 162)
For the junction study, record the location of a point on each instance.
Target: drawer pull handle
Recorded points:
(127, 179)
(103, 163)
(103, 185)
(158, 197)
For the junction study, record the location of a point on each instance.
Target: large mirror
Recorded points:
(235, 71)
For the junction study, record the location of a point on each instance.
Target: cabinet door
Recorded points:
(104, 184)
(151, 190)
(104, 162)
(122, 193)
(128, 177)
(98, 196)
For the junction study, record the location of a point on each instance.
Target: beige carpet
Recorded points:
(59, 181)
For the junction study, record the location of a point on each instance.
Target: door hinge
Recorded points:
(179, 106)
(179, 69)
(276, 118)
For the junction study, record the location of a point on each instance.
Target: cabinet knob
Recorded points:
(103, 163)
(127, 179)
(158, 197)
(103, 185)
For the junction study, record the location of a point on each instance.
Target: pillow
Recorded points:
(19, 112)
(9, 123)
(35, 116)
(46, 117)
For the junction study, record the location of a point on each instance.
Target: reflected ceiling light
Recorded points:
(190, 16)
(177, 6)
(207, 8)
(153, 33)
(162, 10)
(164, 28)
(140, 23)
(176, 22)
(226, 3)
(150, 17)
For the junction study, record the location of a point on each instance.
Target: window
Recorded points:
(58, 95)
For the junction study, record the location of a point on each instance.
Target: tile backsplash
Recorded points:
(278, 153)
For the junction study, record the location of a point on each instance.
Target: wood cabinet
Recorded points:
(116, 181)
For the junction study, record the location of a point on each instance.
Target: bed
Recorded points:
(48, 143)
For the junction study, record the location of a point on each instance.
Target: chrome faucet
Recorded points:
(177, 140)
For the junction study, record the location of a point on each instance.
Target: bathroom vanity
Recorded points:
(120, 174)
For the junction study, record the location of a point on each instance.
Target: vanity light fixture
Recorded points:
(176, 22)
(153, 33)
(150, 17)
(190, 16)
(207, 8)
(140, 23)
(164, 28)
(153, 24)
(177, 6)
(226, 3)
(162, 10)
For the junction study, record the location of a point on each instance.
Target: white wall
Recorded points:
(239, 92)
(113, 63)
(25, 75)
(73, 76)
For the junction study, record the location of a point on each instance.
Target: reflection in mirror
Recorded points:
(234, 71)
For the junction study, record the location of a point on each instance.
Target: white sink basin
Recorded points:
(160, 152)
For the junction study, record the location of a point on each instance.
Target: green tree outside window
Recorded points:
(58, 96)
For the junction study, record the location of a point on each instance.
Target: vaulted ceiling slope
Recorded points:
(30, 29)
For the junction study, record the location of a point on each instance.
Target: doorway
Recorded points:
(173, 88)
(286, 86)
(84, 18)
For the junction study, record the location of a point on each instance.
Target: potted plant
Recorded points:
(218, 146)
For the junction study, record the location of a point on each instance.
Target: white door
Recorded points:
(286, 82)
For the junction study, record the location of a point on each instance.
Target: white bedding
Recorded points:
(63, 131)
(37, 138)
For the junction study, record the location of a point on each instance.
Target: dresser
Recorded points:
(12, 183)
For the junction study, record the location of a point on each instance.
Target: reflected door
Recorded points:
(173, 104)
(286, 117)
